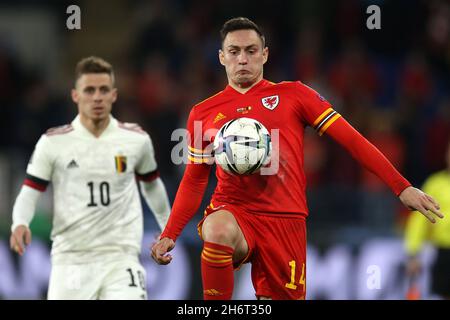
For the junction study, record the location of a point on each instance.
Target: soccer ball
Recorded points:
(242, 146)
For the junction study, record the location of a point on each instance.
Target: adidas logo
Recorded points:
(212, 292)
(219, 117)
(72, 164)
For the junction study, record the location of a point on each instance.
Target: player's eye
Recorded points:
(89, 90)
(104, 90)
(233, 52)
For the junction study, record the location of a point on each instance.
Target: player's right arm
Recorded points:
(39, 171)
(186, 204)
(23, 212)
(416, 233)
(189, 195)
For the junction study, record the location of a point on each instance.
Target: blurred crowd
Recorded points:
(391, 84)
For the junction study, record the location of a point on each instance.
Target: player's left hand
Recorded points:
(416, 199)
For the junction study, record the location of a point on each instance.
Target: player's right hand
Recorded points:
(160, 250)
(20, 238)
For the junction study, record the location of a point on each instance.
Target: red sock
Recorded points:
(217, 271)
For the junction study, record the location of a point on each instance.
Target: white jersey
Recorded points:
(97, 208)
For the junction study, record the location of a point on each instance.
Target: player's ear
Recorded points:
(265, 54)
(114, 95)
(75, 96)
(221, 57)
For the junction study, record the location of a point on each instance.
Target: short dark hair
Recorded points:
(93, 64)
(241, 23)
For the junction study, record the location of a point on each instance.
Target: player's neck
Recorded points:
(96, 127)
(243, 88)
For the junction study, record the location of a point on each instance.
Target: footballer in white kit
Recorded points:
(98, 219)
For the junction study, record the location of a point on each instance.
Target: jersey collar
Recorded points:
(78, 126)
(261, 84)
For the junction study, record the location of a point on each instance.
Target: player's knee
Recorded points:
(220, 231)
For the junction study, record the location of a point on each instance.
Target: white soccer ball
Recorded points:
(242, 146)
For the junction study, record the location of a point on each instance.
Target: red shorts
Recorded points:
(277, 251)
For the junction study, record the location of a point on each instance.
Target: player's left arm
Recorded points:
(151, 185)
(373, 160)
(317, 112)
(155, 195)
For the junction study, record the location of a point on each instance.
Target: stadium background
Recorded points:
(391, 84)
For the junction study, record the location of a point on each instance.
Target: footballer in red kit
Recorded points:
(296, 107)
(261, 218)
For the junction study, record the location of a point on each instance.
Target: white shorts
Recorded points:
(122, 279)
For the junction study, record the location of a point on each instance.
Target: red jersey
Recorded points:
(287, 107)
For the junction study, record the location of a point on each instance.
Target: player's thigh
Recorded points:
(222, 227)
(279, 263)
(73, 282)
(126, 280)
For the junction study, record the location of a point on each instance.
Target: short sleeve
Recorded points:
(40, 166)
(315, 110)
(147, 162)
(41, 162)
